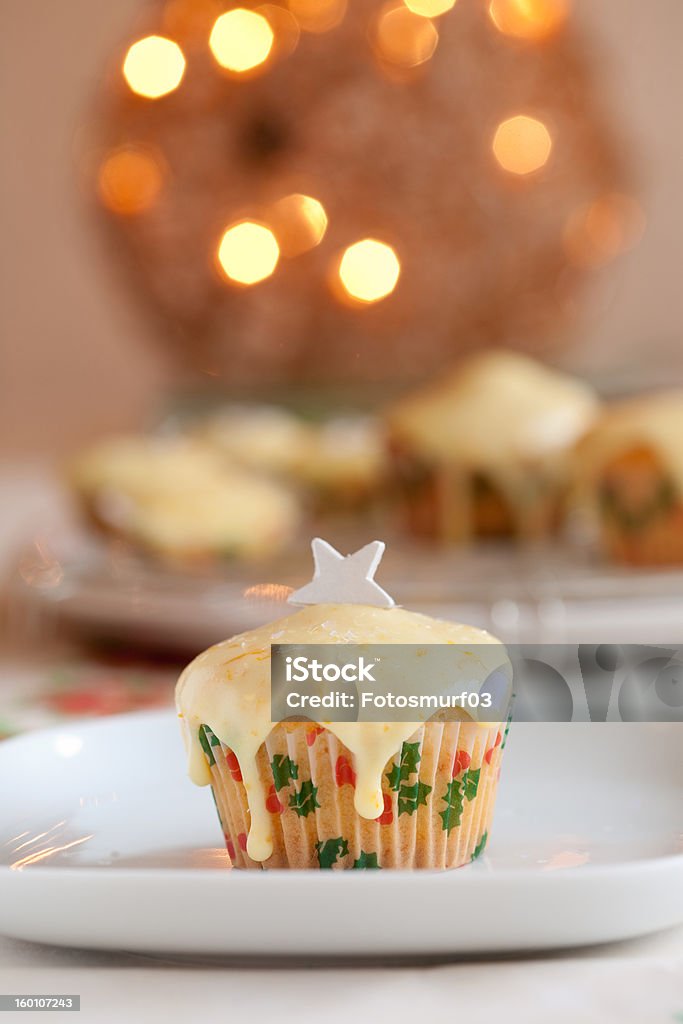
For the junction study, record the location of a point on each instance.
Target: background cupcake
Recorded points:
(630, 470)
(485, 451)
(182, 502)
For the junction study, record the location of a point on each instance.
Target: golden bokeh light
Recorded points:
(130, 180)
(318, 15)
(528, 19)
(285, 29)
(429, 8)
(300, 223)
(369, 270)
(154, 66)
(522, 144)
(241, 40)
(404, 38)
(597, 232)
(248, 252)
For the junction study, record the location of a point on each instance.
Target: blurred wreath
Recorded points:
(313, 190)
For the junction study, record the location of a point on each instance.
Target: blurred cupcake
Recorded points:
(486, 451)
(337, 464)
(323, 794)
(265, 438)
(630, 472)
(181, 501)
(343, 466)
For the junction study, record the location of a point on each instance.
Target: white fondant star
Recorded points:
(344, 580)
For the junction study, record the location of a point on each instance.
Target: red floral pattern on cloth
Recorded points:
(34, 697)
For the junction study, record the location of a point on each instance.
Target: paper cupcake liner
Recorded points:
(442, 501)
(439, 795)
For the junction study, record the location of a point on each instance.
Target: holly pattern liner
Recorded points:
(438, 796)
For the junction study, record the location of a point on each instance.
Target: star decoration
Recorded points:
(344, 580)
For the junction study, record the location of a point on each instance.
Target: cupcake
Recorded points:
(336, 464)
(343, 465)
(182, 502)
(315, 793)
(485, 451)
(265, 438)
(630, 472)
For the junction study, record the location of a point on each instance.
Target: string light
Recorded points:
(404, 38)
(241, 40)
(429, 8)
(528, 19)
(129, 181)
(154, 66)
(522, 144)
(318, 15)
(369, 270)
(300, 223)
(248, 252)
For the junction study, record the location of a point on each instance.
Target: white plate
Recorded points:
(553, 593)
(104, 843)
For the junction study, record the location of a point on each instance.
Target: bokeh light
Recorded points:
(300, 223)
(285, 29)
(248, 252)
(369, 270)
(318, 15)
(403, 38)
(597, 232)
(130, 180)
(429, 8)
(241, 40)
(154, 66)
(528, 19)
(522, 144)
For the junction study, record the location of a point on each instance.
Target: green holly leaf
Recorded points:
(207, 740)
(366, 860)
(411, 797)
(470, 783)
(331, 850)
(479, 848)
(453, 798)
(283, 769)
(305, 800)
(410, 759)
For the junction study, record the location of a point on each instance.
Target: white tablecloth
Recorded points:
(628, 983)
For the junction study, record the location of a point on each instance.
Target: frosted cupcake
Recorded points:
(341, 794)
(182, 502)
(630, 468)
(486, 451)
(343, 467)
(337, 464)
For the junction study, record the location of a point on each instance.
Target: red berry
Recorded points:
(242, 840)
(461, 763)
(230, 847)
(499, 739)
(272, 803)
(387, 815)
(233, 766)
(489, 754)
(344, 773)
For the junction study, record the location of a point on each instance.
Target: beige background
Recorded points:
(76, 359)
